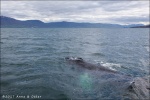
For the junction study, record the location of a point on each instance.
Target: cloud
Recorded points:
(118, 12)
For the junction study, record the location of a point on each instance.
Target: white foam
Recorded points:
(144, 62)
(147, 49)
(111, 66)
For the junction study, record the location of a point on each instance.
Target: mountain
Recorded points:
(133, 25)
(12, 23)
(7, 22)
(80, 25)
(142, 26)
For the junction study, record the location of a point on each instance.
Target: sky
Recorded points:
(104, 11)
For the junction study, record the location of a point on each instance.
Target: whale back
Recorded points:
(82, 63)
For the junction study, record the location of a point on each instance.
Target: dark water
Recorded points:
(32, 60)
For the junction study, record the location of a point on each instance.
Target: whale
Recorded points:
(82, 63)
(128, 87)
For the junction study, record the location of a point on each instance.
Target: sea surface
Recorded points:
(33, 64)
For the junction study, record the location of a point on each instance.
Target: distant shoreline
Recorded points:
(7, 22)
(147, 26)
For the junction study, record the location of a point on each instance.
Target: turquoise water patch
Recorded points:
(86, 82)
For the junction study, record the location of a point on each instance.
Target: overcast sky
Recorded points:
(115, 12)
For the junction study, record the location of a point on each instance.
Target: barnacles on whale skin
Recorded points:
(138, 88)
(131, 86)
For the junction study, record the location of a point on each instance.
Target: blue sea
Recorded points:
(33, 64)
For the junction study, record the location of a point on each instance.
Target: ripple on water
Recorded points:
(98, 54)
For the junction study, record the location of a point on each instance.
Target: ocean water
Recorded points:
(33, 64)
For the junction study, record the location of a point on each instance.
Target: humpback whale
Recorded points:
(128, 87)
(80, 62)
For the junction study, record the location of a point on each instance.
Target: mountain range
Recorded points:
(7, 22)
(145, 26)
